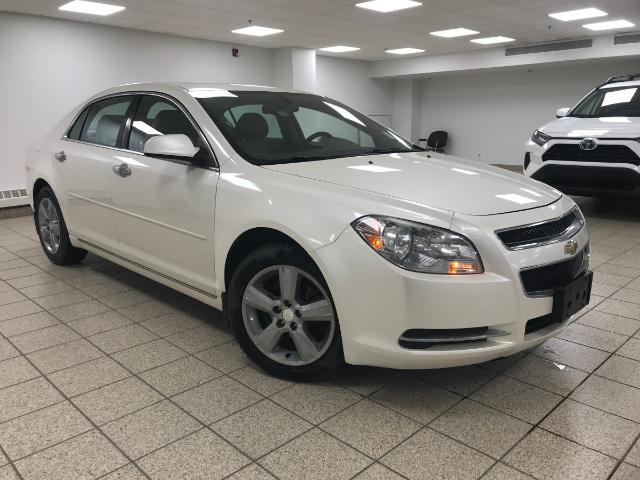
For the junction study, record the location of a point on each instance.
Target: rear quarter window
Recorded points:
(76, 128)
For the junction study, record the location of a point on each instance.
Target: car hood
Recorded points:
(440, 181)
(614, 127)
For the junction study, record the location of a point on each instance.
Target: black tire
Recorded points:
(265, 257)
(66, 253)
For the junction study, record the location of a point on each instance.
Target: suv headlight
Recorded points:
(540, 138)
(418, 247)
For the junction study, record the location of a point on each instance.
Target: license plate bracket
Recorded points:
(572, 298)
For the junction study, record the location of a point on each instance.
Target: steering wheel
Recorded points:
(316, 135)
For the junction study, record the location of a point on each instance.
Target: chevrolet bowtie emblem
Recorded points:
(571, 247)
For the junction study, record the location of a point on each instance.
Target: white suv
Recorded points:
(322, 234)
(592, 149)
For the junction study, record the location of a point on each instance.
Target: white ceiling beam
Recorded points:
(494, 58)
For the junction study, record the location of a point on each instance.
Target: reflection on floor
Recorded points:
(106, 374)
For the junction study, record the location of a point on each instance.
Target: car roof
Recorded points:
(187, 86)
(630, 83)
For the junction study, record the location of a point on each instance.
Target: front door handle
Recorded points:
(60, 156)
(123, 170)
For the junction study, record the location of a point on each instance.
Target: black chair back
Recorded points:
(437, 141)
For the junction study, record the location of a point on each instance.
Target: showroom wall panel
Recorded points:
(49, 66)
(489, 116)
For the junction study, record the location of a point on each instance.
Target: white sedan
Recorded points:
(324, 236)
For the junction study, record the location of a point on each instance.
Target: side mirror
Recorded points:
(562, 112)
(175, 145)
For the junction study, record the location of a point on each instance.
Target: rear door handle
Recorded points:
(60, 156)
(123, 170)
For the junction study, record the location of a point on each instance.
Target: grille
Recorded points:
(565, 152)
(542, 280)
(542, 232)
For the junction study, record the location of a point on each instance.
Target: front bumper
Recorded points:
(592, 179)
(378, 302)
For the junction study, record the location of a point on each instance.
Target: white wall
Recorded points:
(349, 82)
(489, 116)
(49, 66)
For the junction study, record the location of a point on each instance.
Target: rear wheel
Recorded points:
(52, 230)
(283, 315)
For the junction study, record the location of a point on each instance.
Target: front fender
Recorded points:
(311, 212)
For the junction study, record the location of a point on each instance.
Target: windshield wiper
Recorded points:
(390, 150)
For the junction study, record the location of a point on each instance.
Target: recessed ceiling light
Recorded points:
(91, 8)
(386, 6)
(578, 14)
(339, 49)
(405, 51)
(454, 32)
(610, 25)
(491, 40)
(257, 31)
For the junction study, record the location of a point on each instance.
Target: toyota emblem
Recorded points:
(588, 144)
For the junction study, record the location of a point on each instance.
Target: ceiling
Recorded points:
(321, 23)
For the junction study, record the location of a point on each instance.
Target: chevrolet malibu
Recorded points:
(323, 236)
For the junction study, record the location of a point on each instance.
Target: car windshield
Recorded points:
(610, 102)
(275, 127)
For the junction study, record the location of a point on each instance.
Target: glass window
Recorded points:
(76, 129)
(273, 129)
(312, 121)
(610, 102)
(158, 116)
(277, 127)
(105, 121)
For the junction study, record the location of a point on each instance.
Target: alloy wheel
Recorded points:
(49, 225)
(288, 315)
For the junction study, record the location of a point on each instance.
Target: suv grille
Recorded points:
(541, 233)
(567, 152)
(540, 281)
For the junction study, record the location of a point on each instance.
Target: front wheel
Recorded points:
(52, 230)
(283, 315)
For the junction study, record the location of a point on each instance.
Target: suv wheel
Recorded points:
(52, 230)
(283, 315)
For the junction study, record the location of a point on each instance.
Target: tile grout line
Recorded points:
(537, 425)
(84, 415)
(364, 396)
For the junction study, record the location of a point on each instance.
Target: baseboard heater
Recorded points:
(13, 198)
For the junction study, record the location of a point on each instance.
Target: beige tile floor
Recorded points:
(104, 374)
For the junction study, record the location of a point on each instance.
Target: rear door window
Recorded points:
(105, 121)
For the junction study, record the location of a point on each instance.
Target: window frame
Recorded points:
(122, 124)
(129, 116)
(81, 117)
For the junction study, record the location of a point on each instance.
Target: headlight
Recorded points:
(419, 248)
(540, 138)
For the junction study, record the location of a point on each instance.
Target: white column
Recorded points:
(406, 117)
(295, 68)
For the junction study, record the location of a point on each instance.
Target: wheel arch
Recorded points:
(254, 238)
(38, 185)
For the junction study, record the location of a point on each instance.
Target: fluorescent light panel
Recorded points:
(610, 25)
(405, 51)
(257, 31)
(581, 14)
(90, 8)
(386, 6)
(492, 40)
(454, 32)
(339, 49)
